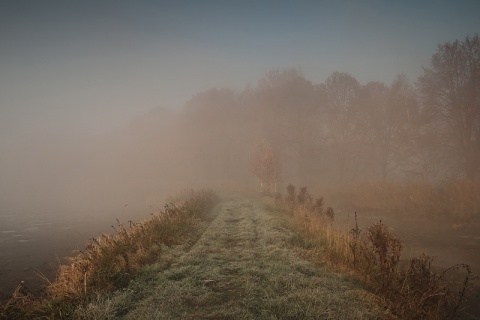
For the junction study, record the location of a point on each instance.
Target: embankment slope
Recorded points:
(243, 267)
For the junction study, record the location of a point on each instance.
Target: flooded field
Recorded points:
(32, 244)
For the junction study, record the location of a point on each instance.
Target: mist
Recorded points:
(325, 134)
(80, 82)
(108, 109)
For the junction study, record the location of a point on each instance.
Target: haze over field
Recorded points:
(108, 107)
(81, 84)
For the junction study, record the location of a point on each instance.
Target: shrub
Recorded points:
(290, 193)
(381, 253)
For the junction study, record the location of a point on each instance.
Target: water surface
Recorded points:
(34, 242)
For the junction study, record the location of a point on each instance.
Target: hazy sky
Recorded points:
(69, 67)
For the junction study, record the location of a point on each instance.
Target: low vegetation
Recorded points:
(244, 266)
(412, 289)
(111, 261)
(251, 261)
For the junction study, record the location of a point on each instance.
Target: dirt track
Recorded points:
(243, 267)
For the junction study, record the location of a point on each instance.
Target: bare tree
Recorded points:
(344, 124)
(393, 116)
(288, 106)
(451, 87)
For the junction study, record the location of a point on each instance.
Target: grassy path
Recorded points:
(244, 267)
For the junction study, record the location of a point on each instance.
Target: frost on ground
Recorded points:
(242, 267)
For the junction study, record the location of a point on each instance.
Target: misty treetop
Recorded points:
(451, 89)
(340, 131)
(334, 132)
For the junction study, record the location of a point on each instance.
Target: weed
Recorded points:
(303, 197)
(290, 193)
(381, 253)
(354, 242)
(318, 205)
(330, 214)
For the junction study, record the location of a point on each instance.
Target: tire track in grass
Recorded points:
(244, 268)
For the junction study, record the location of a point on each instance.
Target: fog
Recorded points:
(325, 134)
(128, 165)
(109, 109)
(79, 83)
(155, 155)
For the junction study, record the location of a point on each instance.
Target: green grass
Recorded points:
(244, 267)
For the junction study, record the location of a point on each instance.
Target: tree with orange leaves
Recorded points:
(264, 164)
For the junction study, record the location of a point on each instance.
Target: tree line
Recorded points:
(341, 131)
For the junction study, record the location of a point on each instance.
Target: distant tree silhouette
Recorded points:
(392, 114)
(343, 123)
(288, 109)
(451, 88)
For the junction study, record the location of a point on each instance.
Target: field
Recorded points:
(283, 257)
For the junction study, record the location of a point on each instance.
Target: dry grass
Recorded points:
(413, 289)
(245, 267)
(456, 200)
(110, 261)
